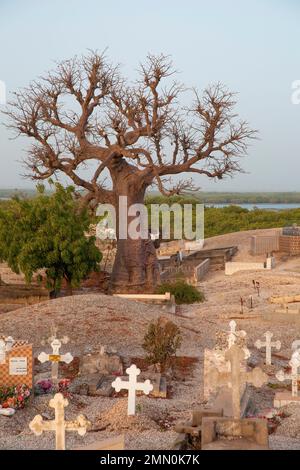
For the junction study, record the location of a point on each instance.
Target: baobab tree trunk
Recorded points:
(136, 267)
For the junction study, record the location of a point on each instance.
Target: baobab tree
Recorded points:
(136, 134)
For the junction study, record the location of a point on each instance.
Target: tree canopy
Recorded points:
(48, 232)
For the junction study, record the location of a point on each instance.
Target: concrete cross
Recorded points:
(59, 425)
(132, 386)
(293, 376)
(5, 346)
(234, 334)
(236, 377)
(268, 345)
(55, 358)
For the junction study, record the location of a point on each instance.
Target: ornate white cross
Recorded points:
(132, 386)
(236, 377)
(55, 358)
(268, 345)
(5, 346)
(59, 425)
(234, 334)
(293, 376)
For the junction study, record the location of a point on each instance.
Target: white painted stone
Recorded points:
(234, 334)
(268, 345)
(7, 411)
(132, 386)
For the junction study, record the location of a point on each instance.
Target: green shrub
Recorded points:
(184, 293)
(161, 342)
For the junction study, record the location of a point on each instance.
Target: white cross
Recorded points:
(268, 345)
(234, 334)
(132, 386)
(55, 358)
(293, 376)
(5, 346)
(59, 425)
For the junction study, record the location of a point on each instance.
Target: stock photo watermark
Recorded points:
(295, 97)
(2, 93)
(138, 221)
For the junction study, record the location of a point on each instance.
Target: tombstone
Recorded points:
(55, 358)
(236, 377)
(132, 386)
(284, 398)
(59, 425)
(17, 366)
(101, 362)
(268, 345)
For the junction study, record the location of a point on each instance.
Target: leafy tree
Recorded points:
(48, 232)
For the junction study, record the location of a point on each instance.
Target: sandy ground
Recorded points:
(94, 320)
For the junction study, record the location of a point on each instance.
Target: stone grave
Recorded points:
(132, 385)
(97, 371)
(218, 395)
(234, 434)
(268, 345)
(16, 367)
(284, 398)
(190, 432)
(58, 424)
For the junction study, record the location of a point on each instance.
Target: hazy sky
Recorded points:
(252, 46)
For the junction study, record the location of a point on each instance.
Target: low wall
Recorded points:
(201, 270)
(235, 266)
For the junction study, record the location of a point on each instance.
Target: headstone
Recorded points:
(268, 345)
(101, 362)
(59, 425)
(17, 368)
(132, 386)
(235, 335)
(235, 378)
(55, 358)
(285, 398)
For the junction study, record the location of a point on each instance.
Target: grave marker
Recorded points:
(293, 376)
(268, 345)
(55, 358)
(234, 334)
(236, 377)
(132, 386)
(59, 425)
(17, 367)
